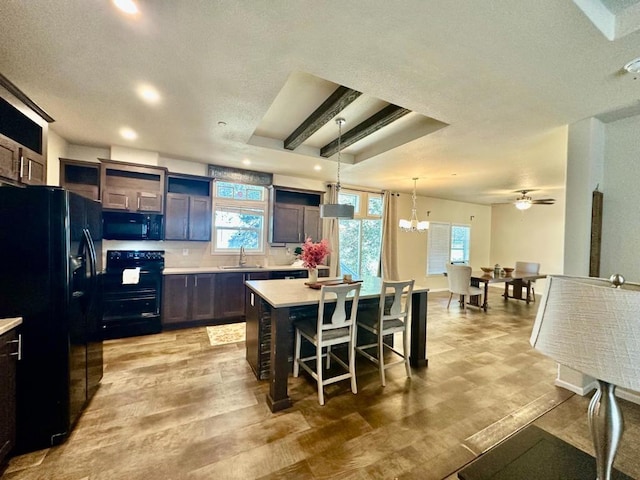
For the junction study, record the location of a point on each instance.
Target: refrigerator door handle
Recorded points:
(92, 251)
(91, 258)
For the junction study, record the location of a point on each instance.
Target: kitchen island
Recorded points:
(275, 304)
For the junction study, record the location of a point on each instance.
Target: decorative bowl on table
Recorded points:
(508, 270)
(487, 269)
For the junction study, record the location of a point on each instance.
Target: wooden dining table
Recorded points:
(518, 280)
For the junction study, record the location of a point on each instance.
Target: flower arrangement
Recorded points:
(314, 254)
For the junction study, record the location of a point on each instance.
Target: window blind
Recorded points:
(438, 248)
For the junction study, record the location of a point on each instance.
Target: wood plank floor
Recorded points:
(171, 406)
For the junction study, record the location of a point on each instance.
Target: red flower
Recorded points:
(314, 254)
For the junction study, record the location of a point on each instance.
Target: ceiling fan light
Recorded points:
(523, 203)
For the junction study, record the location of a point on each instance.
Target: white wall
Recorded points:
(621, 195)
(585, 159)
(88, 154)
(125, 154)
(534, 235)
(56, 147)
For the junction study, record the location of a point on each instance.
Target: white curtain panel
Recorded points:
(389, 251)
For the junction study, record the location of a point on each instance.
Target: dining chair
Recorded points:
(324, 333)
(392, 318)
(529, 267)
(459, 278)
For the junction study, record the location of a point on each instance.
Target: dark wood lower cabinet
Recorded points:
(212, 298)
(230, 293)
(9, 345)
(187, 299)
(204, 296)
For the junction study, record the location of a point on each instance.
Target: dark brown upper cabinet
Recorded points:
(295, 215)
(80, 177)
(188, 209)
(131, 187)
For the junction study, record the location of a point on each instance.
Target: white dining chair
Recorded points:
(325, 333)
(459, 278)
(392, 318)
(529, 267)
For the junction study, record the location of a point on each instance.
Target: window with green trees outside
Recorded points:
(361, 238)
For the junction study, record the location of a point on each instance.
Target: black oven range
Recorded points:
(132, 288)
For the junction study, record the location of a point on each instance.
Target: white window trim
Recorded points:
(363, 203)
(240, 204)
(435, 228)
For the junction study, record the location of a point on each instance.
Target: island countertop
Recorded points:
(7, 324)
(294, 292)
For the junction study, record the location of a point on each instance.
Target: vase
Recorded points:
(313, 275)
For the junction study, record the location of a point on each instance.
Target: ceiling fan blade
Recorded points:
(544, 201)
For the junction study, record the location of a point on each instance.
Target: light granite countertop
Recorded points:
(245, 269)
(7, 324)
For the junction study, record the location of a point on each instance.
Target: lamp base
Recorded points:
(606, 425)
(534, 453)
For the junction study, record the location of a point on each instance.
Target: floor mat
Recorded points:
(223, 334)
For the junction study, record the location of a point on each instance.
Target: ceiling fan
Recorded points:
(524, 202)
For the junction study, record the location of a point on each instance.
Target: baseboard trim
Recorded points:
(582, 391)
(629, 395)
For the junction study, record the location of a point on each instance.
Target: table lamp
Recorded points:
(592, 325)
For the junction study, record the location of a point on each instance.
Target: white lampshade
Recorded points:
(591, 327)
(414, 225)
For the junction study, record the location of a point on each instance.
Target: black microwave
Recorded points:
(131, 226)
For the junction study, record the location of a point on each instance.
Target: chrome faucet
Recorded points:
(243, 257)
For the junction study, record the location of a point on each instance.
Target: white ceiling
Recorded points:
(506, 77)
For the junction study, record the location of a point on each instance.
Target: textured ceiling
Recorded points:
(505, 77)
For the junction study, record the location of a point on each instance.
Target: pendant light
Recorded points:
(337, 210)
(413, 225)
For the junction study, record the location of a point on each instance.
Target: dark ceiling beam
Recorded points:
(384, 117)
(333, 105)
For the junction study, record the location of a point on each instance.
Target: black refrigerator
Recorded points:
(51, 242)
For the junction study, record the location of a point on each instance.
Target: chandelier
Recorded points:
(413, 225)
(337, 210)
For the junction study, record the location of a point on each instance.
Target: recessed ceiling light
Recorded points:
(633, 66)
(317, 168)
(127, 6)
(246, 162)
(128, 133)
(148, 93)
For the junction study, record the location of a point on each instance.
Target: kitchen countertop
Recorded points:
(247, 268)
(7, 324)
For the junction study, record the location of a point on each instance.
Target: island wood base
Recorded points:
(282, 337)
